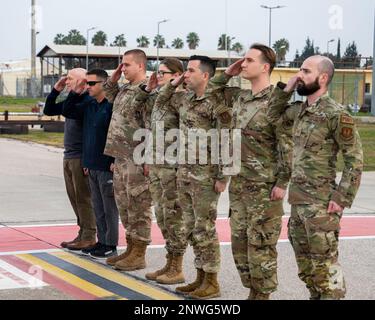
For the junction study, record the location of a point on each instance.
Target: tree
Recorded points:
(308, 50)
(178, 43)
(369, 63)
(281, 48)
(59, 39)
(224, 42)
(99, 39)
(120, 41)
(238, 47)
(351, 59)
(192, 40)
(74, 37)
(159, 41)
(143, 42)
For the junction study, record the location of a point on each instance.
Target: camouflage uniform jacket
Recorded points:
(266, 148)
(126, 119)
(197, 114)
(154, 116)
(320, 131)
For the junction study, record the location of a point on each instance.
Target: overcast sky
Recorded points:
(321, 20)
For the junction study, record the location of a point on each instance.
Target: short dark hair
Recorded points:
(174, 65)
(268, 55)
(139, 56)
(100, 73)
(207, 64)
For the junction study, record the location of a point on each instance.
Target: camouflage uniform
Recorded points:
(132, 193)
(320, 131)
(255, 220)
(163, 177)
(196, 193)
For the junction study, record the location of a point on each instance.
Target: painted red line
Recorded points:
(50, 279)
(51, 236)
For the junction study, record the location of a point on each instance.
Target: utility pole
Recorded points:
(270, 21)
(87, 46)
(158, 44)
(373, 74)
(33, 49)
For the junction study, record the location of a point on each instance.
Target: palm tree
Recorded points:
(178, 43)
(159, 41)
(224, 42)
(59, 39)
(193, 40)
(120, 41)
(99, 39)
(281, 48)
(143, 42)
(238, 47)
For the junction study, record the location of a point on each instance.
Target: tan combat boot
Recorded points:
(153, 275)
(113, 260)
(194, 285)
(174, 274)
(209, 289)
(135, 260)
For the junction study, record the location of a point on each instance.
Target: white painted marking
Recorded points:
(13, 278)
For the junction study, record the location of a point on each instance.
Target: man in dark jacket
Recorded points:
(76, 182)
(96, 112)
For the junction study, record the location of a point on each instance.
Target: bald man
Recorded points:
(322, 128)
(76, 179)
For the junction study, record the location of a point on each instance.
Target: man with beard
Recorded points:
(321, 129)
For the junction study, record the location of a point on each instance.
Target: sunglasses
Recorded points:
(93, 83)
(162, 73)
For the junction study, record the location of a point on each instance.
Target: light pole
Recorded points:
(373, 75)
(270, 26)
(157, 43)
(87, 47)
(33, 48)
(328, 42)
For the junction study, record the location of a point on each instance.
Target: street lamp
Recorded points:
(328, 42)
(373, 74)
(270, 27)
(87, 47)
(157, 44)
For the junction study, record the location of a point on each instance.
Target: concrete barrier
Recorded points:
(14, 129)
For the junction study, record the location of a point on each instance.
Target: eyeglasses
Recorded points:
(162, 73)
(93, 83)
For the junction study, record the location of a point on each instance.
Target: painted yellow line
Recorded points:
(117, 277)
(68, 277)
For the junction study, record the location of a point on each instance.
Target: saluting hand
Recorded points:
(292, 84)
(80, 86)
(152, 83)
(60, 85)
(117, 74)
(179, 80)
(235, 69)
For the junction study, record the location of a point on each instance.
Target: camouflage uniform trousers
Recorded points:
(133, 199)
(163, 187)
(255, 223)
(314, 234)
(198, 201)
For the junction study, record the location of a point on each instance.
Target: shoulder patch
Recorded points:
(347, 133)
(345, 119)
